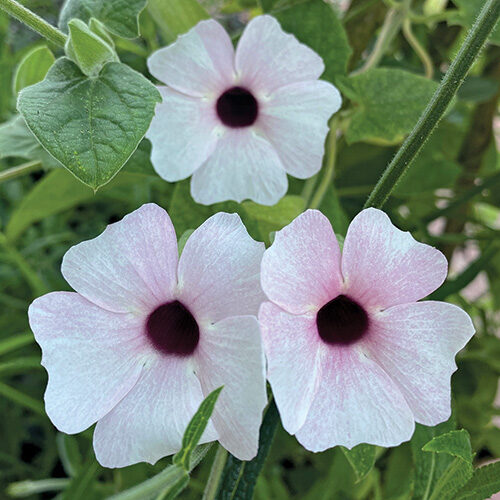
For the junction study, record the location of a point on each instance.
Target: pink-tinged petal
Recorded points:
(183, 134)
(384, 267)
(244, 165)
(416, 345)
(149, 422)
(93, 357)
(219, 270)
(293, 349)
(230, 354)
(199, 63)
(301, 269)
(295, 121)
(356, 402)
(131, 266)
(268, 58)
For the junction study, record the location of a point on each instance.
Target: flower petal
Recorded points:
(295, 121)
(183, 134)
(219, 270)
(93, 357)
(301, 269)
(356, 402)
(199, 63)
(243, 166)
(268, 58)
(131, 266)
(230, 354)
(150, 421)
(383, 266)
(416, 345)
(293, 349)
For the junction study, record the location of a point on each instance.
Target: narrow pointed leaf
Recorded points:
(195, 429)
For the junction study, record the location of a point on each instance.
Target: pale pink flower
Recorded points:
(352, 356)
(239, 121)
(148, 335)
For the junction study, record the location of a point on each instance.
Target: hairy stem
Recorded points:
(418, 48)
(212, 485)
(438, 105)
(327, 179)
(20, 170)
(33, 21)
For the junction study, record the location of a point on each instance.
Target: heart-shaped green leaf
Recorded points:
(388, 103)
(119, 16)
(91, 125)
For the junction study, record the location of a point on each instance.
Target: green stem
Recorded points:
(331, 155)
(37, 285)
(212, 485)
(389, 30)
(418, 48)
(21, 399)
(36, 23)
(15, 342)
(438, 105)
(460, 282)
(20, 170)
(487, 183)
(155, 484)
(27, 488)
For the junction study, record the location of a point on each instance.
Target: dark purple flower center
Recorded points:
(172, 329)
(237, 107)
(342, 321)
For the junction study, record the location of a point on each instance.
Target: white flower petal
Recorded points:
(150, 421)
(199, 63)
(93, 357)
(219, 270)
(183, 134)
(243, 166)
(230, 354)
(131, 266)
(295, 121)
(268, 58)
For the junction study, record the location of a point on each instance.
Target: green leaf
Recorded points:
(262, 220)
(119, 16)
(388, 103)
(468, 12)
(175, 17)
(238, 477)
(91, 125)
(33, 68)
(15, 342)
(169, 483)
(484, 483)
(69, 453)
(315, 23)
(428, 466)
(361, 458)
(455, 443)
(183, 239)
(88, 50)
(17, 140)
(459, 471)
(267, 5)
(56, 192)
(195, 430)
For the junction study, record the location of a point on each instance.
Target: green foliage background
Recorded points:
(454, 184)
